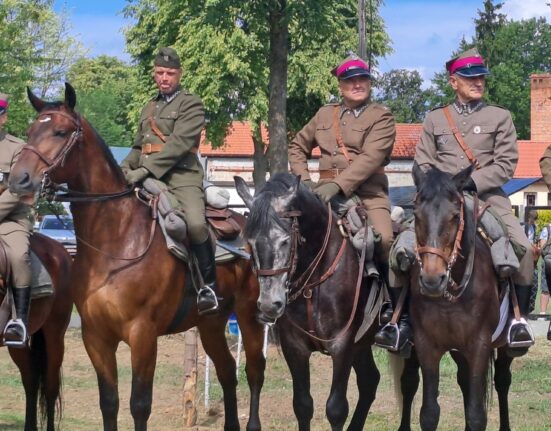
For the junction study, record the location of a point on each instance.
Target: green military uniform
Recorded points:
(368, 133)
(489, 131)
(180, 118)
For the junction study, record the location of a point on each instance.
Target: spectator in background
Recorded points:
(530, 229)
(546, 273)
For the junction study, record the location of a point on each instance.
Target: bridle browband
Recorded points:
(59, 160)
(454, 290)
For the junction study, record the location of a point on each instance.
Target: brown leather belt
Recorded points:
(155, 148)
(329, 174)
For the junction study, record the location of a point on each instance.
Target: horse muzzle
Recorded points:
(433, 285)
(21, 184)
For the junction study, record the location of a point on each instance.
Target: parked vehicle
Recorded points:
(61, 229)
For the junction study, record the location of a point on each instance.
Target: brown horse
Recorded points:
(455, 305)
(40, 364)
(130, 287)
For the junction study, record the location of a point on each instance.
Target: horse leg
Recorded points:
(30, 380)
(253, 339)
(143, 356)
(102, 352)
(367, 380)
(429, 358)
(478, 359)
(298, 361)
(462, 380)
(336, 407)
(212, 333)
(502, 380)
(409, 383)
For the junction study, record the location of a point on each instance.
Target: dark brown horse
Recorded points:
(311, 285)
(455, 305)
(40, 364)
(128, 286)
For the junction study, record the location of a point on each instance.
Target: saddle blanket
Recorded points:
(41, 282)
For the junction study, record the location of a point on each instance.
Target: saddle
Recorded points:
(223, 223)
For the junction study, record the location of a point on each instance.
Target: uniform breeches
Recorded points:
(380, 220)
(17, 250)
(191, 200)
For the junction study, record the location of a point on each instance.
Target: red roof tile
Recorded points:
(529, 153)
(238, 142)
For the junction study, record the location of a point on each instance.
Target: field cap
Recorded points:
(350, 67)
(167, 57)
(3, 103)
(468, 64)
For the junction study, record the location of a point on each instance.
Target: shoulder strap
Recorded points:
(152, 124)
(336, 126)
(459, 138)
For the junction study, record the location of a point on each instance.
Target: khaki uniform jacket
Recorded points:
(181, 121)
(369, 140)
(14, 215)
(491, 135)
(545, 166)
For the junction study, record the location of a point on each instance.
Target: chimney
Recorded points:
(540, 107)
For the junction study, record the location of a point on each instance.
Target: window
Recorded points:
(529, 199)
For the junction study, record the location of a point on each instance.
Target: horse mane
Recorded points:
(436, 184)
(262, 215)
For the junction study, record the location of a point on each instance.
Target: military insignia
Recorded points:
(477, 130)
(166, 57)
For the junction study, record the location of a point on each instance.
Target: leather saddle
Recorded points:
(224, 222)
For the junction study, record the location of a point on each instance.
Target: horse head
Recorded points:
(439, 222)
(50, 156)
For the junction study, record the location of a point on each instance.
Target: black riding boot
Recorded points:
(16, 333)
(396, 337)
(387, 310)
(207, 301)
(520, 333)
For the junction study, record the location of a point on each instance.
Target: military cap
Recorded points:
(3, 103)
(350, 67)
(167, 57)
(468, 64)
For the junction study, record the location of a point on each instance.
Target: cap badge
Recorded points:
(477, 130)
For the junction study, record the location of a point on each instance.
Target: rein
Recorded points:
(454, 291)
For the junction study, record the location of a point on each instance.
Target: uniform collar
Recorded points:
(169, 97)
(467, 108)
(357, 111)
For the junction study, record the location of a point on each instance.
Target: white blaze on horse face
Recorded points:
(45, 119)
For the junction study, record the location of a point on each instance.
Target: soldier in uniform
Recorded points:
(355, 137)
(489, 132)
(165, 148)
(15, 229)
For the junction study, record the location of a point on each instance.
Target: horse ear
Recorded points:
(243, 191)
(418, 174)
(70, 96)
(36, 102)
(460, 179)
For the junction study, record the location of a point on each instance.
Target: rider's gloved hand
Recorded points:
(136, 175)
(326, 191)
(470, 186)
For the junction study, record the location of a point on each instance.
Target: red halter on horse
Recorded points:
(128, 287)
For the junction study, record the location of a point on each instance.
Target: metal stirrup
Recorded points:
(210, 293)
(395, 328)
(16, 323)
(527, 343)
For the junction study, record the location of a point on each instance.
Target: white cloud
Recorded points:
(526, 9)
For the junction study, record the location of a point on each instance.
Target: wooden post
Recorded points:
(190, 378)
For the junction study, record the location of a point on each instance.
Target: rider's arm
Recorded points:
(300, 149)
(425, 152)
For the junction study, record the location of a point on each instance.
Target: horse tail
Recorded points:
(396, 366)
(39, 357)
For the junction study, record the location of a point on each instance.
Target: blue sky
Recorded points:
(423, 32)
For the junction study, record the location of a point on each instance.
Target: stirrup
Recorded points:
(207, 292)
(13, 324)
(392, 347)
(516, 344)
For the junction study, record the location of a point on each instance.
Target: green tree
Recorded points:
(236, 56)
(35, 50)
(401, 90)
(105, 87)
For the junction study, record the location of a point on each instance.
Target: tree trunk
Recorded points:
(260, 160)
(277, 111)
(190, 378)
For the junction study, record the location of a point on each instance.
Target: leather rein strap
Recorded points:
(466, 149)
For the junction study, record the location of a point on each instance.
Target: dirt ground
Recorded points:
(530, 400)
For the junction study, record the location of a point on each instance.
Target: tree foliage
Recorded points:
(35, 50)
(105, 88)
(225, 50)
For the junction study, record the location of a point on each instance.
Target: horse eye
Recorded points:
(60, 133)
